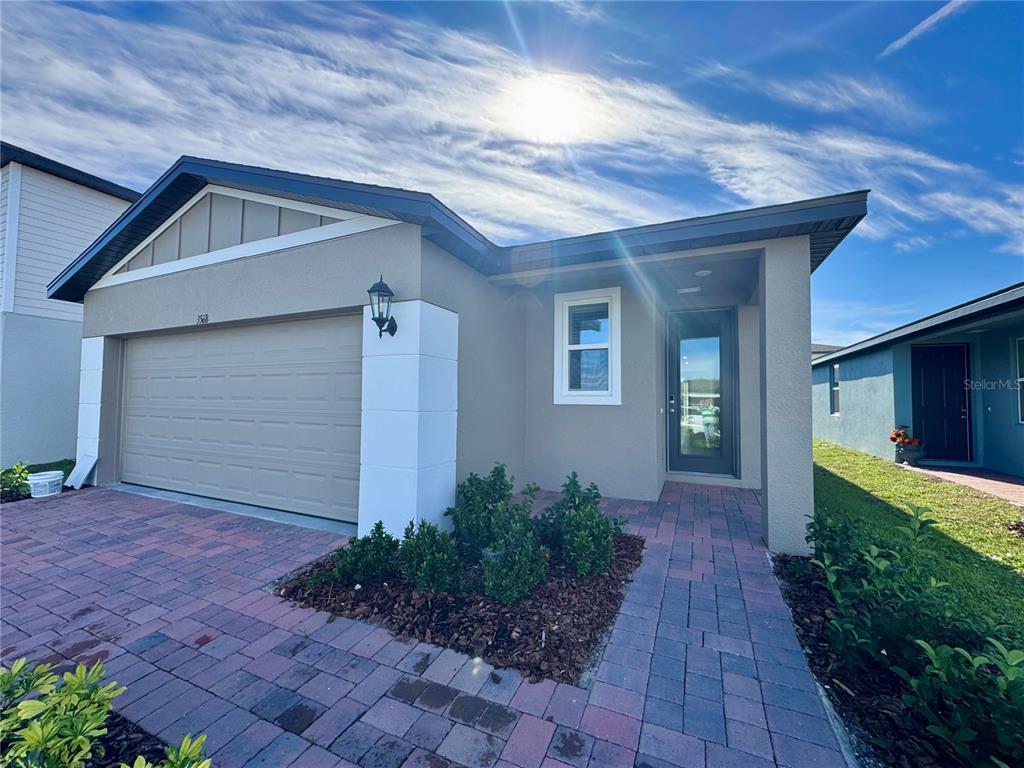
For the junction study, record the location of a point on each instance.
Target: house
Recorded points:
(955, 378)
(817, 350)
(49, 212)
(229, 351)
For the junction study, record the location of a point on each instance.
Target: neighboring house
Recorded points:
(955, 378)
(228, 349)
(817, 350)
(49, 212)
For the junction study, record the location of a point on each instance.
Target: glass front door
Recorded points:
(702, 391)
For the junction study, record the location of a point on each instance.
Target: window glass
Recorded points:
(588, 370)
(588, 324)
(700, 396)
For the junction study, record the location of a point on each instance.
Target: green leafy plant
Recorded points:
(974, 702)
(429, 558)
(14, 483)
(188, 754)
(52, 722)
(885, 604)
(515, 564)
(367, 559)
(485, 510)
(576, 524)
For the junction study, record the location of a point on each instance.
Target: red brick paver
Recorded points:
(703, 667)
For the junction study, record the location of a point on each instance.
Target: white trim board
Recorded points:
(353, 226)
(13, 203)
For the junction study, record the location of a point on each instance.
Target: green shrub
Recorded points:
(14, 483)
(367, 559)
(888, 613)
(484, 510)
(49, 722)
(429, 558)
(515, 564)
(974, 703)
(576, 524)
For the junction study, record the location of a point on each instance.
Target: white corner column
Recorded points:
(787, 482)
(409, 418)
(90, 397)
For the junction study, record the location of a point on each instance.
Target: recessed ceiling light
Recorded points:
(703, 273)
(692, 289)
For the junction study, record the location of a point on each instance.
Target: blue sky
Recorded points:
(539, 120)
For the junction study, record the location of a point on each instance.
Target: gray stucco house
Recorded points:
(49, 212)
(228, 349)
(956, 378)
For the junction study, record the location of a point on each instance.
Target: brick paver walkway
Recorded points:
(703, 667)
(1006, 487)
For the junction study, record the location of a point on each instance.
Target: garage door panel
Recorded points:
(266, 414)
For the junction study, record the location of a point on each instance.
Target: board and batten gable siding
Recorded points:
(216, 221)
(57, 220)
(866, 403)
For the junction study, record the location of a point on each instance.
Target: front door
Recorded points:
(702, 391)
(942, 403)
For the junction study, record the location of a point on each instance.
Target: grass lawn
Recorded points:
(971, 547)
(64, 465)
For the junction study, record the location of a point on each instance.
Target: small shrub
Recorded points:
(484, 510)
(576, 524)
(49, 722)
(14, 483)
(429, 558)
(367, 559)
(588, 541)
(515, 564)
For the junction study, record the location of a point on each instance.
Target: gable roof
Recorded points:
(997, 302)
(11, 153)
(826, 220)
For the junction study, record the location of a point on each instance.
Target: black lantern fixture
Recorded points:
(380, 307)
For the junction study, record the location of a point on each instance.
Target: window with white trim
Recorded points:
(833, 384)
(1020, 380)
(588, 367)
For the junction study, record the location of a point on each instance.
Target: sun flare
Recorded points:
(548, 108)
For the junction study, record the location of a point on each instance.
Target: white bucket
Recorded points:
(44, 484)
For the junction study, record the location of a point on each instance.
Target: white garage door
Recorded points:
(262, 414)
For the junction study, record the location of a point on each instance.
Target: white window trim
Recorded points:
(833, 388)
(562, 393)
(1020, 378)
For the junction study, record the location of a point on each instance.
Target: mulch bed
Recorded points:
(554, 633)
(123, 742)
(1017, 528)
(867, 699)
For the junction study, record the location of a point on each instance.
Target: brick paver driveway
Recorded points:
(703, 667)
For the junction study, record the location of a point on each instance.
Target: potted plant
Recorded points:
(909, 449)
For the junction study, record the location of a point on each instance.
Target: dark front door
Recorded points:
(942, 403)
(702, 391)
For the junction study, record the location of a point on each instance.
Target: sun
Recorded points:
(547, 108)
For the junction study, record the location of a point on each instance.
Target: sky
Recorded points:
(539, 120)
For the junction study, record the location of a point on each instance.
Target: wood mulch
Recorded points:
(123, 742)
(1017, 528)
(869, 700)
(553, 633)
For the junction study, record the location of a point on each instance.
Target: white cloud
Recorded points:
(847, 322)
(949, 9)
(912, 244)
(350, 92)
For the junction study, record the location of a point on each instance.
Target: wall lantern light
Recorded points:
(380, 307)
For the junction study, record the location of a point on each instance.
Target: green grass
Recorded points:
(971, 547)
(64, 465)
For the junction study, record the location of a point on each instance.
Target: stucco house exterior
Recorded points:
(49, 212)
(228, 349)
(956, 378)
